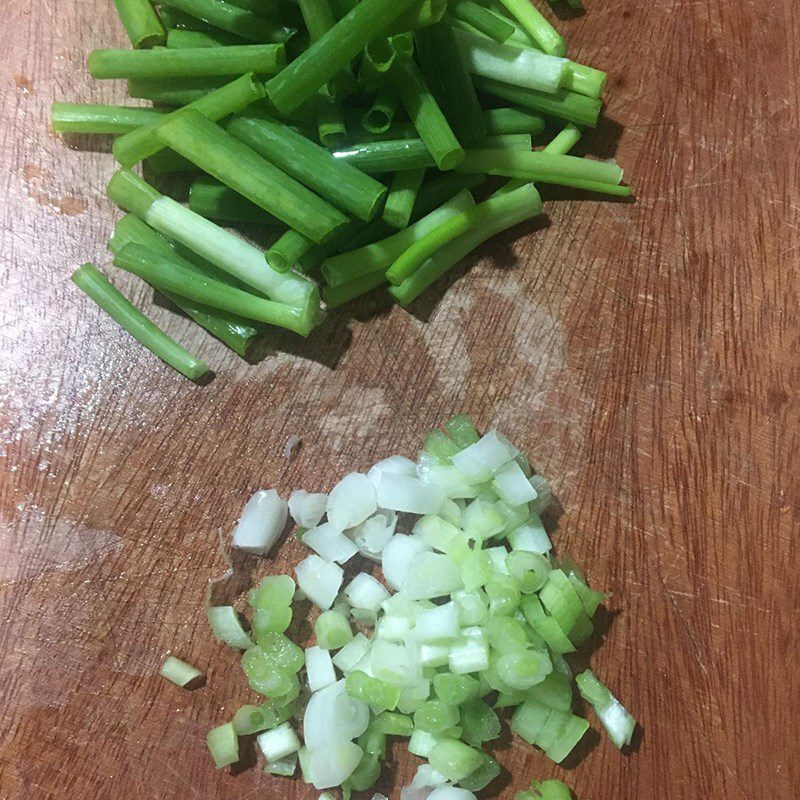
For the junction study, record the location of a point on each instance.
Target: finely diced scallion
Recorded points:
(179, 672)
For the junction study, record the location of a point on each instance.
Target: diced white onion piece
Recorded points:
(394, 663)
(227, 627)
(481, 460)
(421, 743)
(427, 776)
(329, 542)
(432, 575)
(452, 511)
(450, 480)
(261, 524)
(470, 653)
(483, 519)
(473, 607)
(331, 715)
(279, 742)
(531, 536)
(498, 555)
(372, 535)
(512, 486)
(395, 465)
(416, 793)
(366, 592)
(319, 580)
(351, 501)
(451, 793)
(434, 655)
(352, 653)
(397, 558)
(393, 628)
(333, 765)
(319, 668)
(307, 509)
(438, 624)
(409, 494)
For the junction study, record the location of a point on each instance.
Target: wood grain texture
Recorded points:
(644, 355)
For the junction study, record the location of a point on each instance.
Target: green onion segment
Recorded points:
(331, 149)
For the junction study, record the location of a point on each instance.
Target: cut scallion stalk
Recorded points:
(231, 17)
(87, 118)
(122, 311)
(231, 161)
(402, 196)
(617, 721)
(526, 204)
(223, 744)
(537, 27)
(340, 183)
(214, 200)
(235, 96)
(141, 23)
(182, 40)
(163, 63)
(332, 52)
(424, 111)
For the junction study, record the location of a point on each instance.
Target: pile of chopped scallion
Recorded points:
(471, 622)
(359, 132)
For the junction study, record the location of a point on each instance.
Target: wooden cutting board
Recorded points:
(645, 355)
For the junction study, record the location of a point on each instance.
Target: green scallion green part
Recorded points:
(89, 118)
(179, 672)
(146, 332)
(482, 19)
(318, 16)
(461, 430)
(387, 156)
(164, 63)
(174, 274)
(561, 144)
(537, 27)
(393, 723)
(374, 692)
(234, 96)
(420, 15)
(339, 182)
(481, 777)
(545, 790)
(402, 196)
(566, 105)
(178, 39)
(512, 120)
(235, 331)
(547, 167)
(617, 721)
(173, 91)
(231, 161)
(331, 127)
(141, 23)
(379, 256)
(332, 52)
(425, 113)
(379, 116)
(446, 73)
(584, 80)
(454, 759)
(223, 744)
(332, 630)
(234, 19)
(287, 250)
(335, 296)
(214, 200)
(526, 204)
(250, 719)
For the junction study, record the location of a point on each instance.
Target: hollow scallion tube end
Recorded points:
(90, 280)
(141, 23)
(131, 193)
